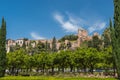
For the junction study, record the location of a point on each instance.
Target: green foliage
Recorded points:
(62, 46)
(40, 47)
(107, 37)
(2, 48)
(92, 58)
(108, 58)
(115, 32)
(15, 61)
(71, 37)
(54, 45)
(44, 62)
(29, 62)
(47, 47)
(95, 43)
(85, 44)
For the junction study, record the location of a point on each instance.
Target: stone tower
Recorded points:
(82, 36)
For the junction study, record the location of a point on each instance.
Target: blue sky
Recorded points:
(44, 19)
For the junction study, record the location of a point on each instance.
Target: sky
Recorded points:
(44, 19)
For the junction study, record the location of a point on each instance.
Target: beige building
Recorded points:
(82, 36)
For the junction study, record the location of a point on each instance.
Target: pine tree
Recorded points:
(116, 35)
(3, 48)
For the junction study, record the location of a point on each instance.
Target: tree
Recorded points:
(11, 62)
(40, 47)
(85, 44)
(15, 61)
(106, 37)
(44, 59)
(116, 35)
(70, 37)
(50, 62)
(29, 63)
(107, 58)
(30, 50)
(37, 58)
(63, 59)
(24, 44)
(71, 60)
(92, 58)
(95, 42)
(68, 45)
(81, 58)
(54, 45)
(62, 46)
(3, 48)
(47, 46)
(14, 48)
(113, 45)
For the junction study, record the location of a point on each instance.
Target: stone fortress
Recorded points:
(82, 36)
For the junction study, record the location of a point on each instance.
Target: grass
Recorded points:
(51, 78)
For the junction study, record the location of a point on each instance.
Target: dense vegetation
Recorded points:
(80, 60)
(71, 37)
(2, 48)
(116, 35)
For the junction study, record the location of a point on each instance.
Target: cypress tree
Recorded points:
(47, 46)
(54, 45)
(112, 42)
(106, 37)
(3, 48)
(116, 35)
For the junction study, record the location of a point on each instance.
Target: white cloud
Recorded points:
(59, 18)
(102, 25)
(97, 27)
(36, 36)
(76, 20)
(71, 25)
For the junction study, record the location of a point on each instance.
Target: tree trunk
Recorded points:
(91, 69)
(12, 71)
(63, 69)
(16, 72)
(52, 70)
(118, 77)
(78, 69)
(43, 68)
(27, 70)
(71, 68)
(30, 69)
(74, 69)
(58, 69)
(114, 68)
(37, 70)
(85, 69)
